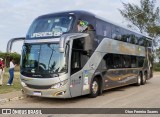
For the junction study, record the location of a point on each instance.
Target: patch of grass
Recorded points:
(16, 83)
(16, 69)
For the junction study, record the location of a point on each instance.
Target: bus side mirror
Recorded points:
(64, 38)
(10, 42)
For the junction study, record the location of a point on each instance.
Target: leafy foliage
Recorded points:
(145, 17)
(6, 56)
(156, 67)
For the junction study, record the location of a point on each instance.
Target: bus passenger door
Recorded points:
(76, 74)
(78, 60)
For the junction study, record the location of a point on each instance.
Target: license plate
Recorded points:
(37, 93)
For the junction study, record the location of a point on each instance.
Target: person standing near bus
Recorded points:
(1, 71)
(11, 72)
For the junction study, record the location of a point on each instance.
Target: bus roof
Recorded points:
(82, 12)
(75, 12)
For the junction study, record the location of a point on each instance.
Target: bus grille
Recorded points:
(38, 87)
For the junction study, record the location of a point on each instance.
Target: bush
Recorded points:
(156, 67)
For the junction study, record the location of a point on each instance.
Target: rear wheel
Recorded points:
(144, 78)
(139, 79)
(94, 88)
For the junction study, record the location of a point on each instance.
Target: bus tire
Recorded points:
(144, 78)
(94, 88)
(139, 79)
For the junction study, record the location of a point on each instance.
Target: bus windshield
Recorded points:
(52, 26)
(43, 59)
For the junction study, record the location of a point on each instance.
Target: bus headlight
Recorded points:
(23, 84)
(60, 84)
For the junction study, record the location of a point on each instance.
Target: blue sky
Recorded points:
(17, 15)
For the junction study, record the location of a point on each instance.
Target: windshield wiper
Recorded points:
(67, 48)
(53, 50)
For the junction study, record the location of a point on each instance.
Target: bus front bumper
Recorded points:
(62, 92)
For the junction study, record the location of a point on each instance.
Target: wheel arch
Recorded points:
(100, 81)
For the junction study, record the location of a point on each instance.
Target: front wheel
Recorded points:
(94, 88)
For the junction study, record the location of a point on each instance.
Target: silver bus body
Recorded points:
(108, 60)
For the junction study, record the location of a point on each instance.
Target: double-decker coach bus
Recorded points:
(74, 53)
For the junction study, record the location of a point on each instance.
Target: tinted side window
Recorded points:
(99, 27)
(75, 60)
(107, 30)
(116, 33)
(141, 41)
(148, 43)
(133, 61)
(114, 61)
(91, 20)
(132, 38)
(127, 61)
(128, 36)
(140, 61)
(136, 39)
(117, 61)
(107, 62)
(103, 28)
(124, 35)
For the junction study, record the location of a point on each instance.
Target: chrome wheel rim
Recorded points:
(139, 80)
(95, 87)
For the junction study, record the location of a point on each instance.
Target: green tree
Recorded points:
(145, 17)
(7, 56)
(156, 66)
